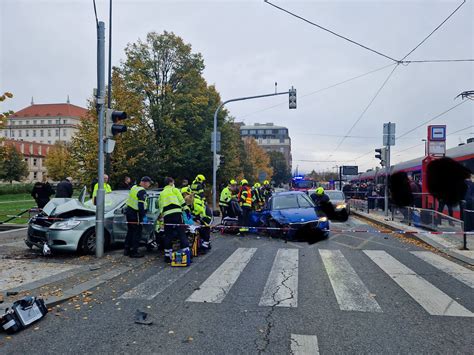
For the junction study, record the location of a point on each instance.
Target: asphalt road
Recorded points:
(350, 293)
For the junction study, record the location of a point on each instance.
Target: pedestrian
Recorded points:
(197, 187)
(136, 216)
(202, 214)
(225, 197)
(107, 188)
(64, 188)
(126, 184)
(245, 201)
(172, 205)
(41, 193)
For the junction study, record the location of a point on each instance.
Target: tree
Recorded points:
(281, 170)
(12, 164)
(59, 163)
(161, 87)
(255, 161)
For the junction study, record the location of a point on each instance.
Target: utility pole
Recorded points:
(109, 85)
(292, 105)
(388, 141)
(100, 102)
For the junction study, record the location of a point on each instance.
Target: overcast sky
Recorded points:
(48, 50)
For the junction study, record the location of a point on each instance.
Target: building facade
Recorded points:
(269, 137)
(34, 155)
(44, 123)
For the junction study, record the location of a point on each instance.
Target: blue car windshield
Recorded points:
(291, 201)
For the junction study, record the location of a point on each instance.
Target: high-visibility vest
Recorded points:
(197, 188)
(133, 199)
(226, 196)
(245, 197)
(107, 189)
(171, 201)
(199, 210)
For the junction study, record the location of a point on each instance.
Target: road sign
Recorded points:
(436, 148)
(388, 134)
(437, 133)
(218, 142)
(350, 170)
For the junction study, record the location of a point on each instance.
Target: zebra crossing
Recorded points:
(349, 290)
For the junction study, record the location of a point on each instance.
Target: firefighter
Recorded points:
(319, 197)
(197, 187)
(172, 206)
(107, 187)
(226, 197)
(245, 201)
(266, 190)
(136, 215)
(201, 214)
(257, 198)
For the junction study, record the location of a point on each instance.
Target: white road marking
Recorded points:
(304, 344)
(462, 274)
(14, 230)
(281, 288)
(432, 299)
(216, 287)
(350, 291)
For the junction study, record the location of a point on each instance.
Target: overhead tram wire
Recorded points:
(95, 12)
(365, 109)
(406, 62)
(330, 31)
(320, 90)
(426, 38)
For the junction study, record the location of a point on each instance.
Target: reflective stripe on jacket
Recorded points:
(171, 201)
(226, 196)
(133, 199)
(199, 211)
(245, 197)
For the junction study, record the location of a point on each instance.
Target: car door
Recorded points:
(119, 227)
(152, 214)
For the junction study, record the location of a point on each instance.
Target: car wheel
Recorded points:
(28, 244)
(344, 215)
(87, 242)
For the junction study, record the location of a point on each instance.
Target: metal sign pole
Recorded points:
(387, 170)
(99, 216)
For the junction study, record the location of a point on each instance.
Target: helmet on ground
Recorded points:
(186, 190)
(200, 178)
(266, 182)
(233, 182)
(319, 191)
(257, 185)
(244, 182)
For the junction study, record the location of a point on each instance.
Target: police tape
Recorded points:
(222, 227)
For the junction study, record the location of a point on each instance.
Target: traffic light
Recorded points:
(292, 98)
(112, 127)
(382, 155)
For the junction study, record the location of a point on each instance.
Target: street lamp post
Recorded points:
(214, 148)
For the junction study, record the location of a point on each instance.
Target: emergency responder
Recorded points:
(319, 197)
(226, 197)
(202, 214)
(136, 215)
(245, 201)
(107, 187)
(257, 198)
(172, 205)
(197, 187)
(266, 190)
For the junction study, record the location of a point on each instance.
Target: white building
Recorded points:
(44, 123)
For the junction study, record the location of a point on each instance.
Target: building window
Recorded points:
(41, 133)
(27, 122)
(34, 133)
(260, 141)
(27, 133)
(268, 131)
(13, 122)
(57, 132)
(20, 122)
(58, 121)
(35, 175)
(49, 121)
(13, 133)
(34, 121)
(64, 121)
(49, 133)
(283, 131)
(261, 131)
(35, 161)
(252, 131)
(19, 133)
(64, 133)
(26, 159)
(42, 121)
(245, 132)
(282, 140)
(49, 142)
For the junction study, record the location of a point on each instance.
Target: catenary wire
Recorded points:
(95, 12)
(441, 24)
(330, 31)
(320, 90)
(436, 61)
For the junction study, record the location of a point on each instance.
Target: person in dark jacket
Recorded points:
(41, 193)
(64, 188)
(126, 184)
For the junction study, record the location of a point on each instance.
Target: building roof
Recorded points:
(52, 110)
(262, 126)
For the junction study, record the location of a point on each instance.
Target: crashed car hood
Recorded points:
(295, 215)
(59, 206)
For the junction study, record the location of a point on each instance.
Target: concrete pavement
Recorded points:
(360, 292)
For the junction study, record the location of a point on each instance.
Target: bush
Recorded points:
(10, 189)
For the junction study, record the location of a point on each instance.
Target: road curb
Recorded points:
(418, 237)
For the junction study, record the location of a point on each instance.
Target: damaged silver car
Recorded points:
(68, 224)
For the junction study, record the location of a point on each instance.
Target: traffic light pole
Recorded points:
(214, 148)
(100, 101)
(387, 174)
